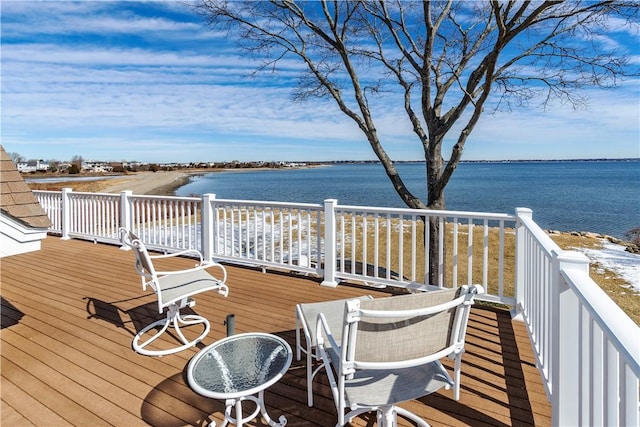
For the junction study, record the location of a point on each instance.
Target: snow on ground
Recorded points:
(614, 257)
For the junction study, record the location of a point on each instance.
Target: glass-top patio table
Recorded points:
(240, 367)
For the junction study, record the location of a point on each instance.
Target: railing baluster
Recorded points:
(501, 260)
(470, 228)
(485, 255)
(400, 246)
(299, 235)
(454, 267)
(441, 269)
(414, 246)
(376, 240)
(365, 260)
(388, 248)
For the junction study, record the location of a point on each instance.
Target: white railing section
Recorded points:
(535, 256)
(267, 234)
(164, 223)
(391, 247)
(594, 331)
(587, 348)
(95, 216)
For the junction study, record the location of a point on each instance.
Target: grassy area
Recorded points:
(617, 288)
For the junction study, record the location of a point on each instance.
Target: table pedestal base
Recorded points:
(258, 399)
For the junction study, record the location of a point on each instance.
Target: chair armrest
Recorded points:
(220, 266)
(181, 253)
(322, 330)
(331, 366)
(198, 267)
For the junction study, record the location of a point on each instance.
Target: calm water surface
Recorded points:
(602, 196)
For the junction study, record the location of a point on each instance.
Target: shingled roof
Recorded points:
(16, 198)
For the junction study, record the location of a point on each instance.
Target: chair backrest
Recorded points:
(144, 265)
(405, 330)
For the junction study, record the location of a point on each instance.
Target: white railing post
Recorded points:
(330, 253)
(208, 227)
(126, 216)
(520, 256)
(66, 214)
(565, 341)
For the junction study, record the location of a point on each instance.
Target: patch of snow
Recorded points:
(614, 257)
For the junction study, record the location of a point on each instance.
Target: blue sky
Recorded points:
(148, 81)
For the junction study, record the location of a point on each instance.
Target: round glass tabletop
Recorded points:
(239, 365)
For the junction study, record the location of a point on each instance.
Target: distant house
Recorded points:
(96, 167)
(32, 166)
(23, 222)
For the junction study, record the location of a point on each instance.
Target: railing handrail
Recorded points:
(546, 243)
(431, 212)
(266, 203)
(155, 197)
(580, 337)
(621, 330)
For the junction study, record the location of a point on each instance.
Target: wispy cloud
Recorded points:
(110, 80)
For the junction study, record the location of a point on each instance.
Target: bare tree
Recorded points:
(78, 161)
(16, 157)
(447, 62)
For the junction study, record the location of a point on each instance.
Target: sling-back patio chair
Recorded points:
(306, 317)
(391, 349)
(174, 291)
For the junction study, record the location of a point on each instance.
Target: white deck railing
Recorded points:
(266, 234)
(587, 349)
(389, 246)
(164, 223)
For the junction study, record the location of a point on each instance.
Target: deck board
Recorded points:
(69, 313)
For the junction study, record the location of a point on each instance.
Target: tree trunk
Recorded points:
(436, 201)
(434, 250)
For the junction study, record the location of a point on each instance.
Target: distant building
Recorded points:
(96, 167)
(32, 166)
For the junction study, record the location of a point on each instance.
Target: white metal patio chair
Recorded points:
(174, 290)
(391, 350)
(306, 317)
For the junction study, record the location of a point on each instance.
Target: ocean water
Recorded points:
(596, 196)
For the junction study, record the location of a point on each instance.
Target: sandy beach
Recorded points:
(161, 183)
(158, 183)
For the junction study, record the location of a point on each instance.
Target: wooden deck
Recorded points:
(70, 310)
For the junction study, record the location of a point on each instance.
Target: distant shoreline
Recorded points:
(160, 183)
(626, 159)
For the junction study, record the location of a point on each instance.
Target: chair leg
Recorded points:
(299, 348)
(396, 410)
(456, 376)
(309, 377)
(386, 416)
(175, 319)
(349, 416)
(308, 351)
